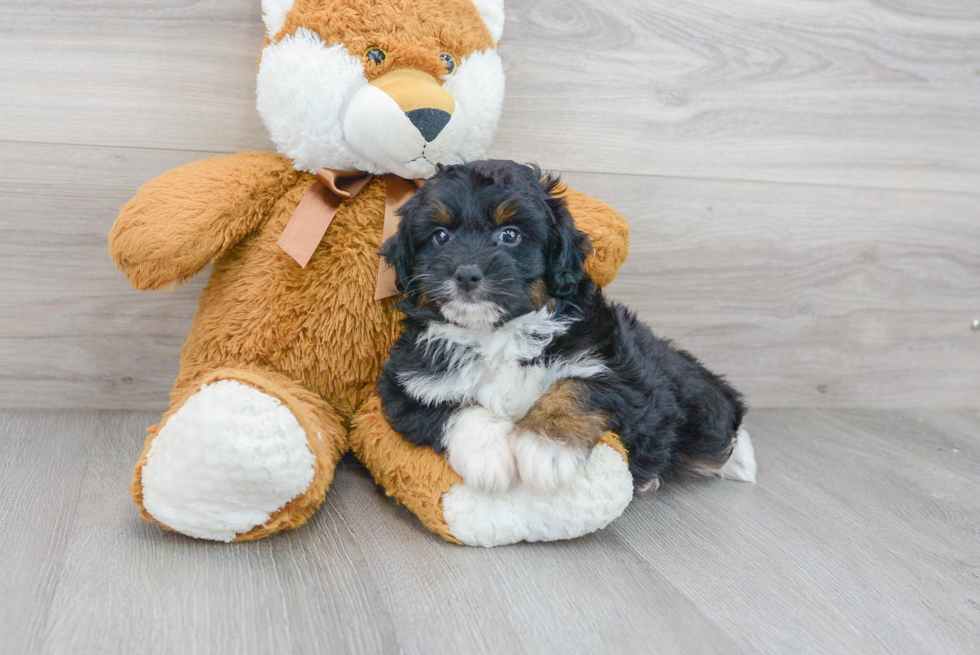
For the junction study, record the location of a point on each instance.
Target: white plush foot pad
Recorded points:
(228, 459)
(597, 496)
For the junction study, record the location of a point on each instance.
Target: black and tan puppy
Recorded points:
(515, 364)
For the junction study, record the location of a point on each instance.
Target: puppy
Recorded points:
(512, 361)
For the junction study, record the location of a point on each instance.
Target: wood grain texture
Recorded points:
(851, 543)
(127, 586)
(43, 460)
(881, 94)
(860, 537)
(874, 94)
(808, 295)
(801, 179)
(528, 598)
(804, 295)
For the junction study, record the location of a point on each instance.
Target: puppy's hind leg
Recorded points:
(740, 466)
(650, 485)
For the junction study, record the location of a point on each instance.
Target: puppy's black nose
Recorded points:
(429, 121)
(469, 277)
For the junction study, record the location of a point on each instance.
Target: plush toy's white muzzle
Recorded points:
(406, 122)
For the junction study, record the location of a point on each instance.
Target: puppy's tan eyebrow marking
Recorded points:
(506, 211)
(442, 215)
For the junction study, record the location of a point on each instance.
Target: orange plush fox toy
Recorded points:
(363, 99)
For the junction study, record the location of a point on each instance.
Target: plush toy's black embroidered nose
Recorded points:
(469, 277)
(429, 122)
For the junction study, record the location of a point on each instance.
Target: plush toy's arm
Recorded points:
(181, 221)
(606, 229)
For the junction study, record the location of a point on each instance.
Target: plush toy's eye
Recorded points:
(440, 236)
(376, 55)
(509, 237)
(450, 62)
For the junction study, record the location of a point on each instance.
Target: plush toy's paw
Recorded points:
(599, 493)
(425, 482)
(478, 447)
(545, 464)
(225, 462)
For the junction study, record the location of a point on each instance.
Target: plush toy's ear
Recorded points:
(567, 247)
(274, 15)
(492, 12)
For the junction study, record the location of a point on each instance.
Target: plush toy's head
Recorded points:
(381, 86)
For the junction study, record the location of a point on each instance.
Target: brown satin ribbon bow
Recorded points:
(320, 205)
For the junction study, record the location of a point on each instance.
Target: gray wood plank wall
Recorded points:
(803, 180)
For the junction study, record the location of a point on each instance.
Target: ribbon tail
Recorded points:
(309, 223)
(397, 193)
(306, 227)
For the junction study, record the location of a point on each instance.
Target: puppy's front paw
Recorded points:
(478, 446)
(546, 465)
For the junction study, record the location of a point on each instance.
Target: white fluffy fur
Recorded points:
(486, 365)
(321, 112)
(492, 12)
(225, 462)
(596, 497)
(478, 87)
(380, 131)
(478, 447)
(274, 15)
(741, 465)
(474, 315)
(304, 88)
(546, 465)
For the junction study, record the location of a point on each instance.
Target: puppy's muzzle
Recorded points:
(426, 104)
(468, 277)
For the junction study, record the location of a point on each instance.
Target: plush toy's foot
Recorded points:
(240, 456)
(424, 482)
(597, 495)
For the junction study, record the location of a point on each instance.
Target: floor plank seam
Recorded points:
(734, 180)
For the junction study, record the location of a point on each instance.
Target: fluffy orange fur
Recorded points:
(314, 338)
(412, 33)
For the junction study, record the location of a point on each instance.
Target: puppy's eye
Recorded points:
(376, 55)
(440, 237)
(509, 237)
(450, 62)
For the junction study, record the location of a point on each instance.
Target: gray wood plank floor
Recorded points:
(862, 536)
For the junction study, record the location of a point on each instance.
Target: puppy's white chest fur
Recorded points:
(491, 367)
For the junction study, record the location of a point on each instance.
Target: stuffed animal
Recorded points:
(363, 99)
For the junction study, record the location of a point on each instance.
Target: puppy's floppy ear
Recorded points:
(567, 247)
(399, 252)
